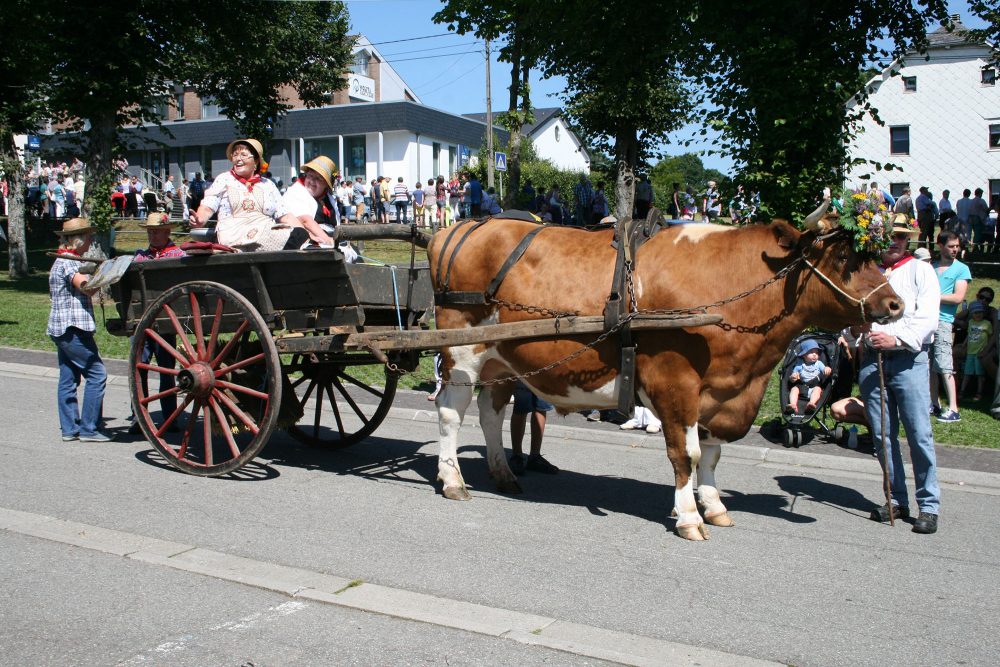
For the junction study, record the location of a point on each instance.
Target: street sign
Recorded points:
(501, 161)
(34, 143)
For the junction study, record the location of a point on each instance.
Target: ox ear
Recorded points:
(785, 234)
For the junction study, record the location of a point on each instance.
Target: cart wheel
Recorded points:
(323, 389)
(788, 437)
(219, 366)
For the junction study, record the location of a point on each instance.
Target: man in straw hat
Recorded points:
(311, 199)
(904, 346)
(161, 246)
(71, 327)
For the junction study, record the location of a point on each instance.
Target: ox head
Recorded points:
(849, 286)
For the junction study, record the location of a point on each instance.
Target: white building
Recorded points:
(941, 115)
(553, 139)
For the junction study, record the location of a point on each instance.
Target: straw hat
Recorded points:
(254, 146)
(157, 219)
(75, 226)
(901, 225)
(325, 167)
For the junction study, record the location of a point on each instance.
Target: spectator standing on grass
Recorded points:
(454, 196)
(583, 200)
(358, 197)
(980, 332)
(441, 200)
(953, 279)
(905, 204)
(71, 327)
(475, 196)
(430, 206)
(925, 216)
(643, 197)
(417, 195)
(979, 211)
(401, 200)
(711, 203)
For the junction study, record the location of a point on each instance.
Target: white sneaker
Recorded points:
(630, 425)
(653, 428)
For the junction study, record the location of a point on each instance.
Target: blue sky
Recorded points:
(448, 72)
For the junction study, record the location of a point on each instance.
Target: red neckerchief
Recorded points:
(68, 251)
(321, 201)
(249, 182)
(159, 252)
(898, 264)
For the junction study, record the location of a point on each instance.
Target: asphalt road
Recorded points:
(804, 577)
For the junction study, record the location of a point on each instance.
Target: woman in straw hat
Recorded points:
(312, 200)
(161, 246)
(249, 206)
(71, 327)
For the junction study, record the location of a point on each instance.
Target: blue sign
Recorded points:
(464, 155)
(34, 143)
(501, 159)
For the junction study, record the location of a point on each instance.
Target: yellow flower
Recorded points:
(862, 223)
(882, 207)
(864, 238)
(859, 196)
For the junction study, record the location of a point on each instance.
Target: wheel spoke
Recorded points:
(305, 398)
(225, 370)
(229, 345)
(235, 409)
(196, 320)
(206, 417)
(350, 400)
(180, 331)
(241, 389)
(297, 382)
(170, 420)
(216, 323)
(189, 429)
(317, 418)
(226, 431)
(336, 410)
(158, 369)
(154, 397)
(358, 383)
(185, 362)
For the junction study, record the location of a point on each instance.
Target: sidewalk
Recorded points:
(758, 444)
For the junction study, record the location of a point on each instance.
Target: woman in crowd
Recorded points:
(252, 215)
(71, 327)
(311, 199)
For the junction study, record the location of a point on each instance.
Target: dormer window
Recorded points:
(360, 64)
(988, 76)
(909, 84)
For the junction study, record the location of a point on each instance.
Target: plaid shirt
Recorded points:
(70, 306)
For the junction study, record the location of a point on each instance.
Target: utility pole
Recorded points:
(489, 121)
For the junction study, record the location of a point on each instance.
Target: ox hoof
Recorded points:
(721, 519)
(510, 486)
(698, 533)
(456, 493)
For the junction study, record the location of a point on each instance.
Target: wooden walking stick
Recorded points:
(887, 483)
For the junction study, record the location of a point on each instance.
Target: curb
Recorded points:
(756, 454)
(297, 583)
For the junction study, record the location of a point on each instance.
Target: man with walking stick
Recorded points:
(895, 356)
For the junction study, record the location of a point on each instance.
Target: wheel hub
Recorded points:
(198, 379)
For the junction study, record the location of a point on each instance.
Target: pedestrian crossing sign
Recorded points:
(501, 161)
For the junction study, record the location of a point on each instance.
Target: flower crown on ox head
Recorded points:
(869, 220)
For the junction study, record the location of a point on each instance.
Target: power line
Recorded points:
(413, 39)
(435, 48)
(440, 55)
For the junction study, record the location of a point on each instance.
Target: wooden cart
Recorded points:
(252, 342)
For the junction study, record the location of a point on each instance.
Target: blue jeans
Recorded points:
(78, 358)
(908, 399)
(164, 359)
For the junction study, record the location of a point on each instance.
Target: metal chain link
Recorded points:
(636, 312)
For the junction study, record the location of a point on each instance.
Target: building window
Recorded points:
(557, 132)
(210, 109)
(179, 105)
(899, 140)
(159, 109)
(988, 76)
(994, 136)
(896, 189)
(355, 156)
(360, 64)
(909, 84)
(994, 193)
(436, 152)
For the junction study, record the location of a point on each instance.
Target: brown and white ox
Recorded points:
(705, 383)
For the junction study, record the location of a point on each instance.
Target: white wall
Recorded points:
(564, 152)
(949, 117)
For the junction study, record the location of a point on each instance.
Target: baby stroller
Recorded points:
(830, 353)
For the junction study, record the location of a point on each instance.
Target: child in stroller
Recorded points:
(807, 375)
(809, 382)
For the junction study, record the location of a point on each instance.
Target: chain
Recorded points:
(636, 312)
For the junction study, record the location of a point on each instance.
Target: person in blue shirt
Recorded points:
(954, 278)
(476, 196)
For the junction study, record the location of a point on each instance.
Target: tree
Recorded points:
(779, 73)
(237, 53)
(492, 20)
(22, 109)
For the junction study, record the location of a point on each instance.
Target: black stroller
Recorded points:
(834, 387)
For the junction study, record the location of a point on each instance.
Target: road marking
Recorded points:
(303, 584)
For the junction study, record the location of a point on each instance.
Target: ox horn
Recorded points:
(812, 220)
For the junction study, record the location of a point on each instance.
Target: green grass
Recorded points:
(24, 311)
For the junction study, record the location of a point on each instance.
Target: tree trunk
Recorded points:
(626, 157)
(16, 215)
(100, 181)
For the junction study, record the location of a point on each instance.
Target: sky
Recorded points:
(448, 71)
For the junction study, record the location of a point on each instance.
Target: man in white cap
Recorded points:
(311, 198)
(904, 345)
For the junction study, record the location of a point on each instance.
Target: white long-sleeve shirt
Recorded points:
(917, 285)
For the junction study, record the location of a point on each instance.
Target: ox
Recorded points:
(705, 383)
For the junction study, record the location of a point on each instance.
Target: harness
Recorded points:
(832, 285)
(629, 235)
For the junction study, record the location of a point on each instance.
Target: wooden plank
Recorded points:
(491, 333)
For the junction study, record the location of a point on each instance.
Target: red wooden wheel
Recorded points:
(336, 398)
(217, 351)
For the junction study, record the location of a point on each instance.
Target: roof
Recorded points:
(944, 38)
